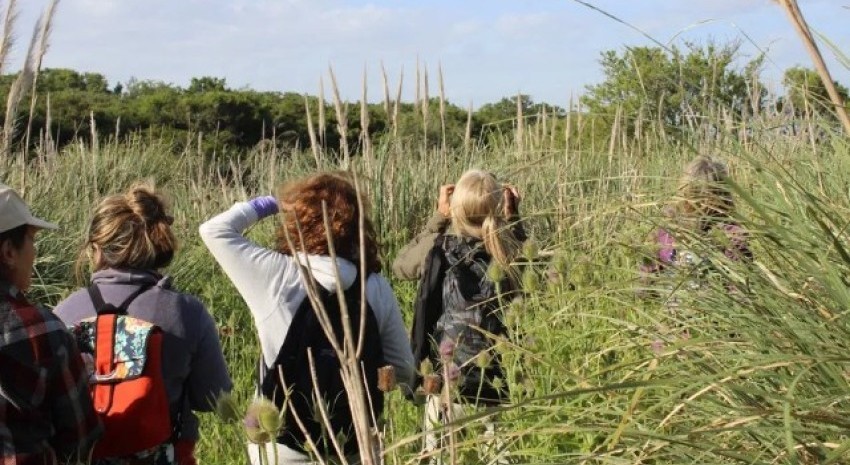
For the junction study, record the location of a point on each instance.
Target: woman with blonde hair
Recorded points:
(129, 242)
(325, 238)
(464, 262)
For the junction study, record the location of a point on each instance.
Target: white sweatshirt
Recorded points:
(271, 284)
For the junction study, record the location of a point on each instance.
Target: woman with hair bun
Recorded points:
(129, 242)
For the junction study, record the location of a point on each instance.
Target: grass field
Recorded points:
(762, 379)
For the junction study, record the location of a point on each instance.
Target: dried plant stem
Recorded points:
(366, 142)
(8, 37)
(397, 103)
(43, 44)
(323, 126)
(796, 16)
(341, 121)
(19, 88)
(314, 146)
(442, 109)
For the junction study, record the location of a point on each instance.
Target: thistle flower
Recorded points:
(447, 349)
(386, 378)
(426, 367)
(226, 408)
(262, 421)
(431, 383)
(530, 281)
(483, 359)
(495, 272)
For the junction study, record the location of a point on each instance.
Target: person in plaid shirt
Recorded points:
(46, 413)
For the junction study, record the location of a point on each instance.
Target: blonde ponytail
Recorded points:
(477, 209)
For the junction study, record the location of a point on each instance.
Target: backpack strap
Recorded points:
(428, 306)
(103, 308)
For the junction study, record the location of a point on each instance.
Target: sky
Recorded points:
(487, 49)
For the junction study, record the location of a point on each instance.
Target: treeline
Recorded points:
(643, 89)
(69, 102)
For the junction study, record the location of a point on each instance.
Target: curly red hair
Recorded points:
(301, 205)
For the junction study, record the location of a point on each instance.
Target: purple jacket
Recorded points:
(191, 349)
(736, 250)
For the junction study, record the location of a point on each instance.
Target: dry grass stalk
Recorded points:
(426, 104)
(416, 97)
(314, 146)
(568, 127)
(323, 125)
(796, 16)
(95, 142)
(397, 104)
(43, 45)
(467, 134)
(442, 108)
(19, 88)
(8, 37)
(386, 84)
(366, 142)
(520, 125)
(341, 121)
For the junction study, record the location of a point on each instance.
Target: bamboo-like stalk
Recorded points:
(341, 121)
(43, 44)
(8, 36)
(799, 21)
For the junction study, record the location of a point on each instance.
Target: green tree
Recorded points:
(671, 84)
(207, 84)
(806, 92)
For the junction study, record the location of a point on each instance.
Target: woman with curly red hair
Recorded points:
(273, 282)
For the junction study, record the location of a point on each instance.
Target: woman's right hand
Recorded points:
(444, 201)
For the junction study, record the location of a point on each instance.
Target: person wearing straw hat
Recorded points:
(46, 414)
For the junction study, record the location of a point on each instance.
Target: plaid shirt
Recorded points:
(46, 411)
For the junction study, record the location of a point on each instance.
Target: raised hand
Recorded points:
(444, 201)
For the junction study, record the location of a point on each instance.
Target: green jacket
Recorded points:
(408, 263)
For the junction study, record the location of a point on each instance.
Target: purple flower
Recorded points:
(252, 420)
(447, 348)
(657, 346)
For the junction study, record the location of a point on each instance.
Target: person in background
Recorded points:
(273, 280)
(129, 242)
(701, 219)
(46, 414)
(703, 211)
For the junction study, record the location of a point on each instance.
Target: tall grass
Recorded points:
(761, 379)
(752, 368)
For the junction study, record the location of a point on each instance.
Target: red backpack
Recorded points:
(127, 385)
